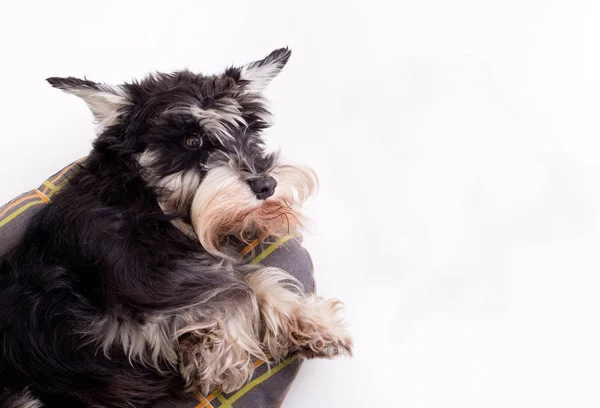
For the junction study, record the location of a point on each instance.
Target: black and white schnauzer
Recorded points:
(128, 287)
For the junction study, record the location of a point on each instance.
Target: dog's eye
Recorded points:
(193, 141)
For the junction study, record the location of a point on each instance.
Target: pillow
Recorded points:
(270, 382)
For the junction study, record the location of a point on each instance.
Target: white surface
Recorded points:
(458, 149)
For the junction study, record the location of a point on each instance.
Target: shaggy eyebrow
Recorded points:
(210, 121)
(178, 117)
(177, 112)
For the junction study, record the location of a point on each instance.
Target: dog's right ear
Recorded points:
(259, 74)
(105, 101)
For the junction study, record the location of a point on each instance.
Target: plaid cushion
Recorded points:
(270, 382)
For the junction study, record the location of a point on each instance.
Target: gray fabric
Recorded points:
(12, 232)
(271, 393)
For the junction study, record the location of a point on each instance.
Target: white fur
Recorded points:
(176, 187)
(222, 353)
(263, 114)
(173, 188)
(213, 120)
(152, 343)
(259, 77)
(225, 205)
(155, 341)
(295, 322)
(24, 400)
(147, 158)
(295, 182)
(219, 203)
(103, 102)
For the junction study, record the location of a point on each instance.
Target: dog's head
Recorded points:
(196, 140)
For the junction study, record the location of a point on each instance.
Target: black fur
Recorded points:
(104, 245)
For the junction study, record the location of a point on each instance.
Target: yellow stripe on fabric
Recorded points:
(221, 399)
(15, 203)
(57, 188)
(54, 190)
(244, 390)
(62, 173)
(272, 248)
(19, 211)
(49, 185)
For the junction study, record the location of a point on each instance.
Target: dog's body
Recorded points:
(126, 288)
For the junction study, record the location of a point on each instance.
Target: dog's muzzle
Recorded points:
(226, 205)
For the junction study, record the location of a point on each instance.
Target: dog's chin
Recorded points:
(224, 206)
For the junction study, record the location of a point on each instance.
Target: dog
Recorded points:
(128, 287)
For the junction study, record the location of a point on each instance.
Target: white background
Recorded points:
(457, 146)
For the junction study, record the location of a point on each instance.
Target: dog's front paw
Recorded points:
(293, 323)
(319, 331)
(209, 362)
(308, 327)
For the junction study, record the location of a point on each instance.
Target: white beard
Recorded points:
(224, 205)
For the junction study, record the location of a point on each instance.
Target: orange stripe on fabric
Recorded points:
(204, 401)
(59, 175)
(253, 244)
(62, 173)
(250, 247)
(42, 196)
(20, 200)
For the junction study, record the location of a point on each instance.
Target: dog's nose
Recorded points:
(263, 187)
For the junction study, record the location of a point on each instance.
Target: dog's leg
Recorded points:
(295, 323)
(23, 399)
(220, 354)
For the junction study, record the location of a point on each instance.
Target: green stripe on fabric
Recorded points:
(244, 390)
(272, 248)
(19, 211)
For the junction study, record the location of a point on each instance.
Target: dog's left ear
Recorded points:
(105, 101)
(258, 74)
